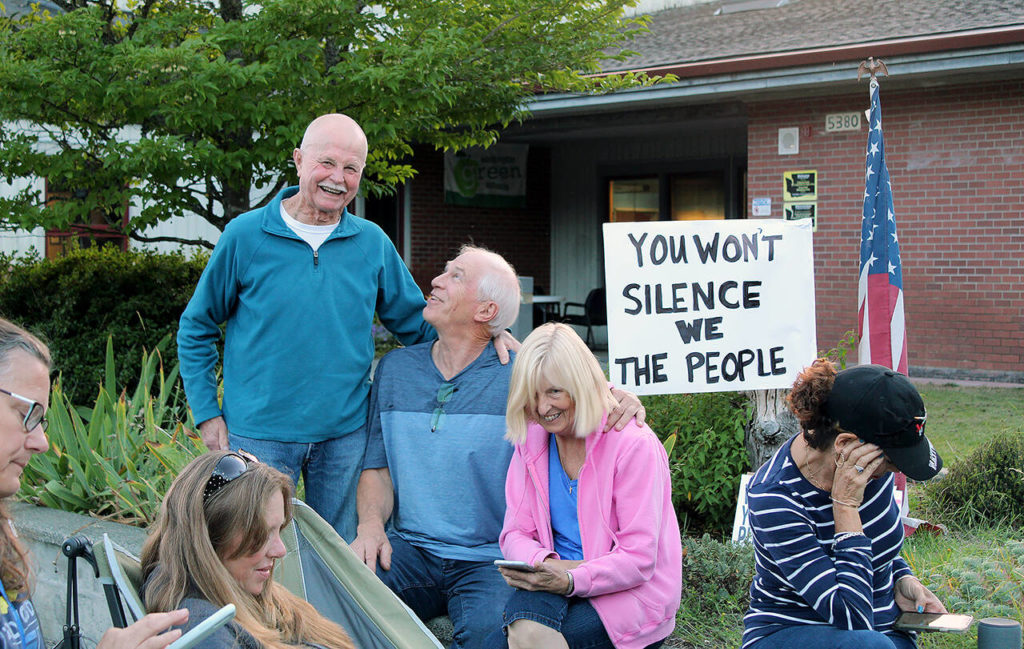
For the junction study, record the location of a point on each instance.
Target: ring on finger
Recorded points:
(859, 468)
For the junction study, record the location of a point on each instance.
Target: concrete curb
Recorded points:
(43, 530)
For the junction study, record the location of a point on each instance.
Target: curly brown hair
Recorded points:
(807, 400)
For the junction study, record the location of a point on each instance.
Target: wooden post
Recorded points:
(771, 424)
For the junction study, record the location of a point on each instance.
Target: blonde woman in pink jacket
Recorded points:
(589, 511)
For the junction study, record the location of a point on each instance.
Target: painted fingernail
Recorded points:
(920, 609)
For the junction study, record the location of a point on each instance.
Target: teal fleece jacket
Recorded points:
(298, 343)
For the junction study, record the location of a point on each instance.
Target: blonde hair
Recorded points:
(184, 552)
(555, 352)
(15, 567)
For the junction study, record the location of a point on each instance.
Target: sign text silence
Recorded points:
(708, 306)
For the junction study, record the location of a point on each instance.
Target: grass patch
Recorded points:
(961, 418)
(979, 573)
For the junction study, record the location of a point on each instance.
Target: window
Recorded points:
(697, 195)
(633, 199)
(105, 226)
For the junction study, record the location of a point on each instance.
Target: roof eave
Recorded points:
(813, 70)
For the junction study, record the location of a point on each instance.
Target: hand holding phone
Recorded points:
(201, 631)
(522, 566)
(946, 622)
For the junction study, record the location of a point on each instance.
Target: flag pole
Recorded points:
(881, 323)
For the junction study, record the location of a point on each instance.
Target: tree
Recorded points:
(191, 106)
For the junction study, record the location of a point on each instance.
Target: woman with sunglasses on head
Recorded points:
(216, 542)
(24, 398)
(589, 509)
(827, 531)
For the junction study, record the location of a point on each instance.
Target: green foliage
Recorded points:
(383, 340)
(847, 345)
(117, 459)
(190, 106)
(76, 302)
(716, 591)
(984, 489)
(708, 456)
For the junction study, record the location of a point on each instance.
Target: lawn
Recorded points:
(961, 418)
(978, 571)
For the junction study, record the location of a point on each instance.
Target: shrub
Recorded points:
(716, 591)
(117, 459)
(77, 301)
(984, 489)
(708, 457)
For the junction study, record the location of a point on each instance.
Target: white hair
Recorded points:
(500, 285)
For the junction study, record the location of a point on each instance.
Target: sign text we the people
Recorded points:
(707, 306)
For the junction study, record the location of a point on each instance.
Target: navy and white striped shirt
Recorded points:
(802, 576)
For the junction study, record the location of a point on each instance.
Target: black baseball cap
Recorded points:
(881, 406)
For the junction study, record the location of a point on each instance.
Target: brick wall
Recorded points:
(956, 158)
(522, 236)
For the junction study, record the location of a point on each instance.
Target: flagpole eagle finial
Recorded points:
(872, 67)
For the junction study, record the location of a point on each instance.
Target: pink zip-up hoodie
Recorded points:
(632, 570)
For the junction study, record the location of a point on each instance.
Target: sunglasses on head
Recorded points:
(228, 468)
(35, 415)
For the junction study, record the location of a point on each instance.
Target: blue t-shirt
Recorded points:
(443, 442)
(562, 498)
(19, 624)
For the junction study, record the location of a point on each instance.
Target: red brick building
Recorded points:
(755, 84)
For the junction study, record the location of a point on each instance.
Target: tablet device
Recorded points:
(515, 565)
(199, 632)
(933, 622)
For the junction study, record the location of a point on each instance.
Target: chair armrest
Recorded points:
(565, 308)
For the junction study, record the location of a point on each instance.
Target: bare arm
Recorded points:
(375, 499)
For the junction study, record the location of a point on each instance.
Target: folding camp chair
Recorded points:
(121, 576)
(320, 568)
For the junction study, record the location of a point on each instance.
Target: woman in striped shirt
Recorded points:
(826, 529)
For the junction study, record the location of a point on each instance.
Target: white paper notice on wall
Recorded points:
(708, 306)
(762, 207)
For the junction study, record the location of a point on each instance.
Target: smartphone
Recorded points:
(199, 632)
(514, 565)
(933, 622)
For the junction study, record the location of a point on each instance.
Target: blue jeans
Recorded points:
(471, 593)
(330, 470)
(829, 637)
(573, 617)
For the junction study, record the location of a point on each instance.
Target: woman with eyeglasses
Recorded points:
(216, 541)
(24, 398)
(589, 510)
(827, 531)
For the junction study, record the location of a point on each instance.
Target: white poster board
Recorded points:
(707, 306)
(741, 520)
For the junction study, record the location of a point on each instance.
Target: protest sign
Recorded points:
(706, 306)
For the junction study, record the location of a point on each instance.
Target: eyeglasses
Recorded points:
(228, 468)
(444, 395)
(35, 415)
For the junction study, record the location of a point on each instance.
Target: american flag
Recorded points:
(881, 325)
